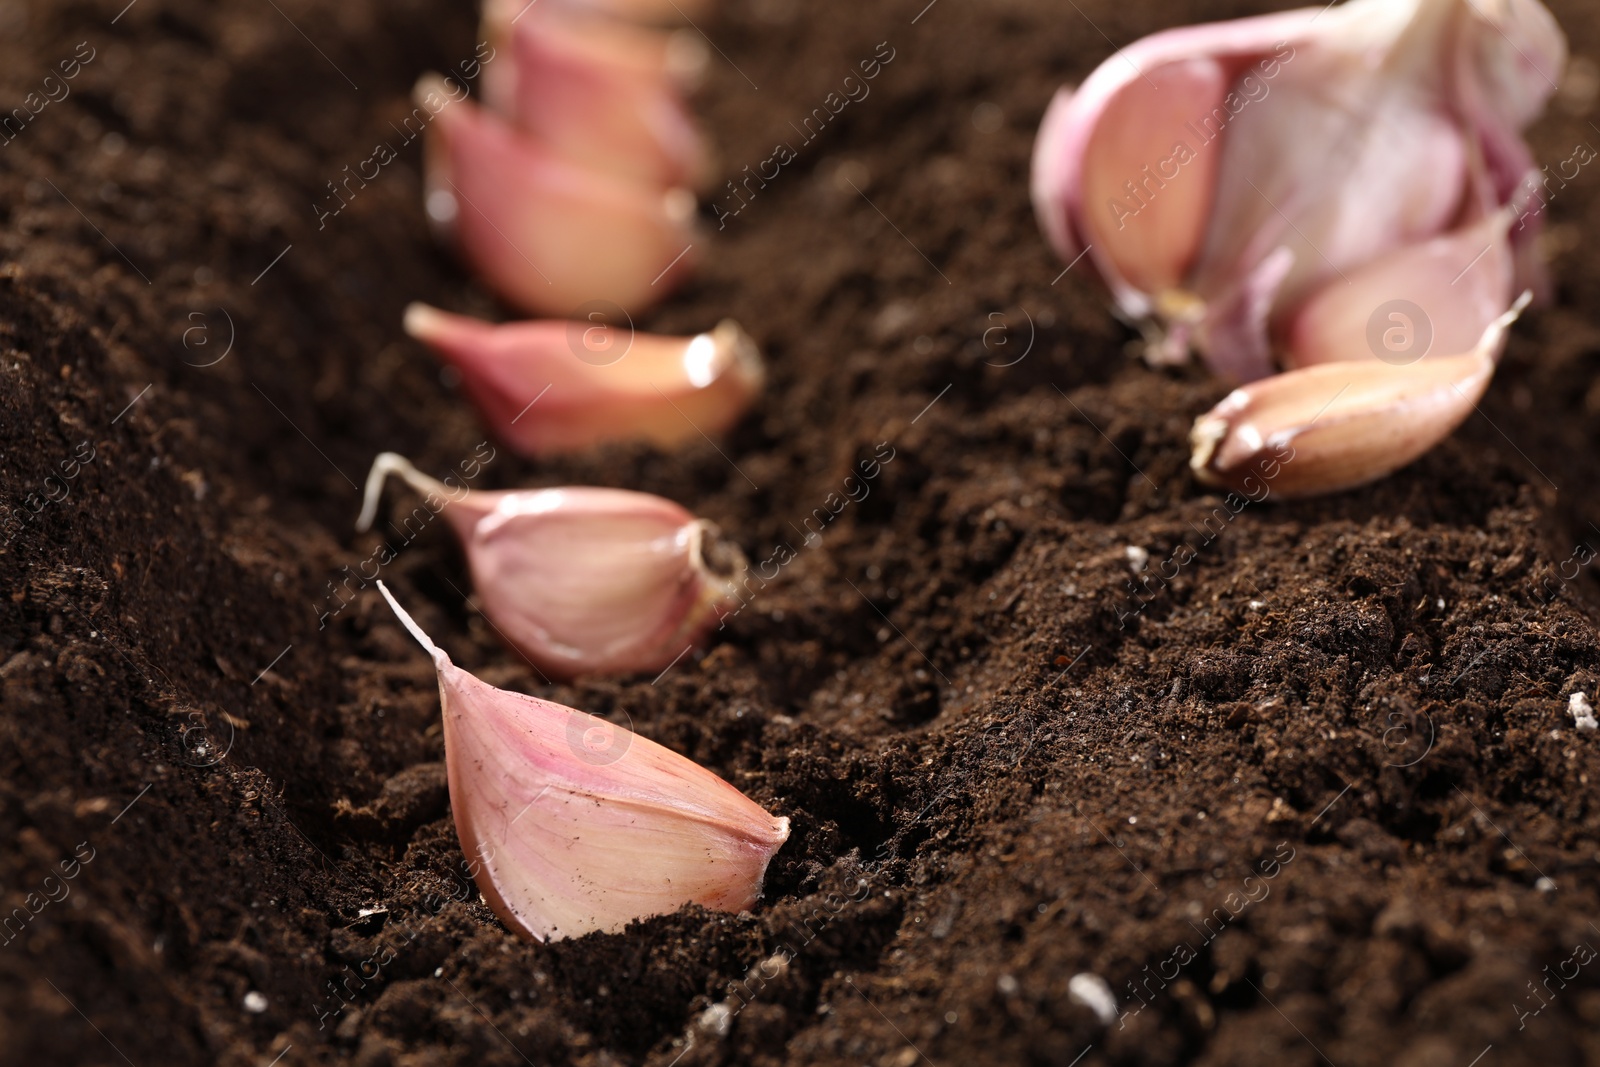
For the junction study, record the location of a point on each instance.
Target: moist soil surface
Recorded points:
(1311, 797)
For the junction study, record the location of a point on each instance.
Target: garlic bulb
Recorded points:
(1322, 185)
(1221, 175)
(547, 388)
(572, 824)
(582, 580)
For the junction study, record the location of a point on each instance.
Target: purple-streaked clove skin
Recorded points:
(546, 233)
(1341, 424)
(549, 388)
(572, 824)
(1317, 186)
(603, 95)
(582, 580)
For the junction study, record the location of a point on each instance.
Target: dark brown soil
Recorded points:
(995, 784)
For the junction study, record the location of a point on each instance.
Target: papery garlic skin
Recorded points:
(1341, 424)
(550, 388)
(583, 580)
(1221, 176)
(547, 234)
(573, 824)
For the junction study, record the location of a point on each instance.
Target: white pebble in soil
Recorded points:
(1094, 993)
(1582, 713)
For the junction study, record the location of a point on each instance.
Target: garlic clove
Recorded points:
(652, 12)
(584, 580)
(1073, 222)
(548, 388)
(546, 234)
(1436, 297)
(1338, 425)
(1509, 60)
(601, 95)
(679, 55)
(501, 16)
(1136, 133)
(572, 824)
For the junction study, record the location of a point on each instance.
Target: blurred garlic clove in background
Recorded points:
(500, 17)
(601, 94)
(553, 387)
(544, 233)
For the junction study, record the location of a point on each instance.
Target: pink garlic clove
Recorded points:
(1341, 424)
(553, 387)
(572, 824)
(652, 12)
(546, 234)
(1344, 135)
(583, 580)
(1074, 224)
(1140, 125)
(602, 95)
(679, 57)
(1433, 298)
(500, 16)
(1509, 61)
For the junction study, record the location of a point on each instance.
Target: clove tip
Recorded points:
(680, 205)
(422, 321)
(1208, 432)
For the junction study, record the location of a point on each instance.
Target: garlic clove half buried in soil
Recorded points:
(547, 388)
(545, 233)
(583, 580)
(572, 824)
(603, 95)
(1219, 176)
(1341, 424)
